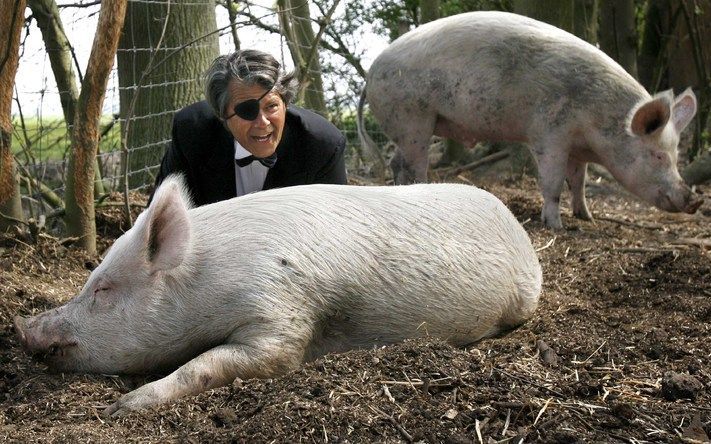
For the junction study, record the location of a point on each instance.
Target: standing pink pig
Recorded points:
(256, 285)
(498, 76)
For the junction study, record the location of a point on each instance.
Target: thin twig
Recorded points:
(454, 171)
(394, 422)
(528, 381)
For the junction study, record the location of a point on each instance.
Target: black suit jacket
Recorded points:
(311, 150)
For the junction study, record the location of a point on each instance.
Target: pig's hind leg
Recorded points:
(214, 368)
(576, 174)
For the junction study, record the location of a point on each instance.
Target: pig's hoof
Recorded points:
(554, 223)
(115, 410)
(132, 401)
(583, 214)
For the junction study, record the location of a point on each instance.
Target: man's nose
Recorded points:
(261, 119)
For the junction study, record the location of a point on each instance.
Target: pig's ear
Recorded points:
(168, 226)
(684, 109)
(651, 116)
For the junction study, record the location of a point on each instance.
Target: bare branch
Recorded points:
(80, 5)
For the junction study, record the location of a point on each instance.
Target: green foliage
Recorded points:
(47, 139)
(388, 17)
(349, 128)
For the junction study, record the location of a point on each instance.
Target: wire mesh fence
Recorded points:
(158, 70)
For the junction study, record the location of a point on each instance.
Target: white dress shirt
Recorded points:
(251, 177)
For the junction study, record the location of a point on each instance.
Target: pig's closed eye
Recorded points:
(100, 289)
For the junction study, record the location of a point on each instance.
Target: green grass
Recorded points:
(47, 139)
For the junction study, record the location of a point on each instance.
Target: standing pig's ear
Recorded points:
(652, 115)
(684, 109)
(168, 235)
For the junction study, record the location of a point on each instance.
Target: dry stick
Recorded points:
(645, 249)
(528, 381)
(483, 161)
(548, 245)
(394, 422)
(693, 241)
(603, 432)
(630, 224)
(506, 424)
(543, 409)
(592, 354)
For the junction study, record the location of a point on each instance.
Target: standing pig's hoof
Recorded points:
(582, 213)
(552, 221)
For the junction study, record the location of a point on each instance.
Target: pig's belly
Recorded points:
(341, 334)
(479, 128)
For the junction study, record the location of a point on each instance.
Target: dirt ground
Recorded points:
(618, 351)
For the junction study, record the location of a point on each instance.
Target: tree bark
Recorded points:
(295, 21)
(618, 33)
(651, 61)
(80, 217)
(11, 19)
(698, 171)
(429, 10)
(578, 17)
(59, 50)
(175, 78)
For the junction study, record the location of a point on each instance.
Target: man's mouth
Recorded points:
(263, 138)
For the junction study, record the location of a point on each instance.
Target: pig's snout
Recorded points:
(44, 337)
(682, 199)
(694, 204)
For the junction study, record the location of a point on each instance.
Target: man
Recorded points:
(246, 137)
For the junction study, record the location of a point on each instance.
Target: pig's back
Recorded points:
(379, 261)
(496, 63)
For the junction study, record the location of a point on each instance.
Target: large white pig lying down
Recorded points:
(503, 77)
(254, 286)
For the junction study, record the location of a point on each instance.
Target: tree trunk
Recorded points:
(295, 21)
(690, 63)
(59, 50)
(174, 78)
(698, 171)
(11, 20)
(618, 33)
(578, 17)
(652, 60)
(429, 10)
(80, 218)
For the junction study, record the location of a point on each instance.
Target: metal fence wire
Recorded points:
(41, 137)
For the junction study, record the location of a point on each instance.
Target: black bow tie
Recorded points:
(268, 161)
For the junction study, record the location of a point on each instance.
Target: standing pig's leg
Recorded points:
(576, 174)
(214, 368)
(551, 174)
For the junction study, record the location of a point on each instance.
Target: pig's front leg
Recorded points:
(576, 174)
(214, 368)
(551, 172)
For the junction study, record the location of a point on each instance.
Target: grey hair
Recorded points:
(249, 67)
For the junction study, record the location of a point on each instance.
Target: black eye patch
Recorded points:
(249, 109)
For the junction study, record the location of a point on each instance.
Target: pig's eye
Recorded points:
(98, 290)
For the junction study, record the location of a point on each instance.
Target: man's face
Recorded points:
(261, 135)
